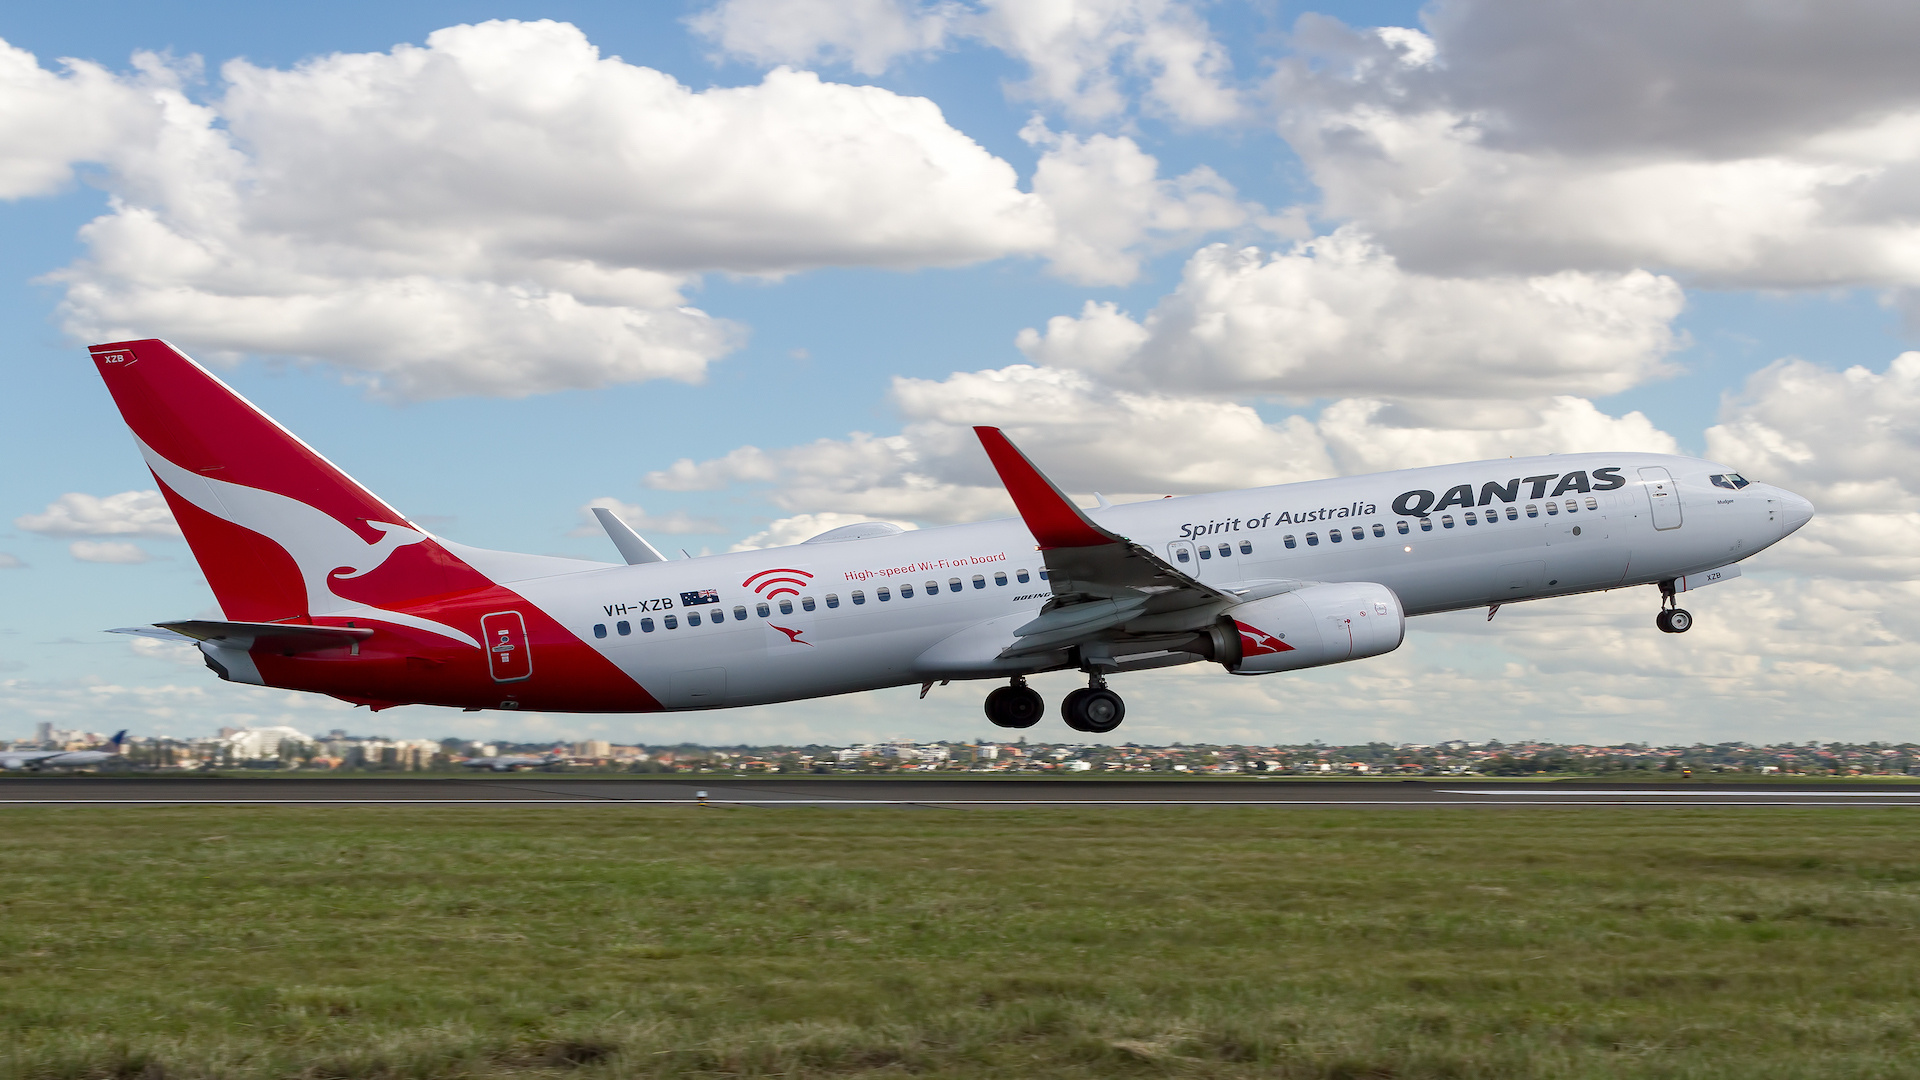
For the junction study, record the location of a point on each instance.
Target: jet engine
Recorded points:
(1320, 624)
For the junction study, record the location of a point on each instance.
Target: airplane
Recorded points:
(61, 759)
(323, 587)
(510, 762)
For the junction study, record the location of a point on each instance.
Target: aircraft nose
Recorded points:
(1794, 512)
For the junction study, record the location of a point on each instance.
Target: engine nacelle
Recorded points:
(1320, 624)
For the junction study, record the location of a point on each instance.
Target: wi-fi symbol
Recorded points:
(771, 583)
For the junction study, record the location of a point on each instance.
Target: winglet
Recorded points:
(1053, 519)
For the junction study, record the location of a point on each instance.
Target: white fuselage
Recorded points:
(1527, 529)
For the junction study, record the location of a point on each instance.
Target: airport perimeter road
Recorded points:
(544, 790)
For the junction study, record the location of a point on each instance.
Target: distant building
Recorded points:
(254, 744)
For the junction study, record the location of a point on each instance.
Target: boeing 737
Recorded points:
(514, 761)
(324, 587)
(61, 759)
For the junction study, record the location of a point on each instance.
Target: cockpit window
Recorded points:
(1731, 481)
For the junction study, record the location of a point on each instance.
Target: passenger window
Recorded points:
(1226, 550)
(806, 603)
(671, 622)
(762, 610)
(1573, 506)
(1313, 539)
(599, 629)
(1513, 513)
(1020, 576)
(786, 607)
(999, 577)
(1553, 509)
(719, 615)
(859, 598)
(1402, 526)
(833, 600)
(739, 613)
(1179, 555)
(693, 618)
(1379, 530)
(1426, 524)
(933, 588)
(1287, 541)
(883, 594)
(1532, 510)
(1043, 575)
(1446, 521)
(1334, 537)
(1246, 547)
(906, 592)
(623, 628)
(1359, 533)
(1471, 520)
(646, 626)
(979, 582)
(953, 584)
(1206, 552)
(1593, 503)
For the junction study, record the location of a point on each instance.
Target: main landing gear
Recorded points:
(1016, 706)
(1093, 709)
(1672, 619)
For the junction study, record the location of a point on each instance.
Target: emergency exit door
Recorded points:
(1663, 497)
(505, 639)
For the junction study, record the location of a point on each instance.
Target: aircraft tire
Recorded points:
(1661, 620)
(1015, 707)
(1679, 621)
(1095, 711)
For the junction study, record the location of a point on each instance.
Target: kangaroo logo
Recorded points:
(792, 635)
(785, 581)
(1257, 642)
(324, 549)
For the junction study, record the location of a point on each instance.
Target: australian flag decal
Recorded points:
(699, 596)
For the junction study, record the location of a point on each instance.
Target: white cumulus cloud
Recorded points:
(108, 551)
(129, 513)
(505, 211)
(1091, 58)
(1739, 144)
(1337, 315)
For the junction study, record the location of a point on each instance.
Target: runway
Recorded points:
(536, 789)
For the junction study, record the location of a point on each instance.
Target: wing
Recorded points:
(1112, 598)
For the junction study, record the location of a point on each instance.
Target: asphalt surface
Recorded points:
(538, 789)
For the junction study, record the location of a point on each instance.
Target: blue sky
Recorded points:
(1448, 260)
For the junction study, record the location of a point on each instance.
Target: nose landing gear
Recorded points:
(1094, 709)
(1672, 619)
(1016, 705)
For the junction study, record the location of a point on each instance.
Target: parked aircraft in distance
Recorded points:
(510, 762)
(326, 588)
(61, 759)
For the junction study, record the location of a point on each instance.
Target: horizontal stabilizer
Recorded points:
(281, 637)
(633, 547)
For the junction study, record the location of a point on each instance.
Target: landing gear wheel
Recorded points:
(1016, 706)
(1660, 621)
(1679, 620)
(1095, 710)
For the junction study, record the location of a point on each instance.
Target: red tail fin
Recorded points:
(279, 531)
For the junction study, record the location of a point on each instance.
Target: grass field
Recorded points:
(621, 941)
